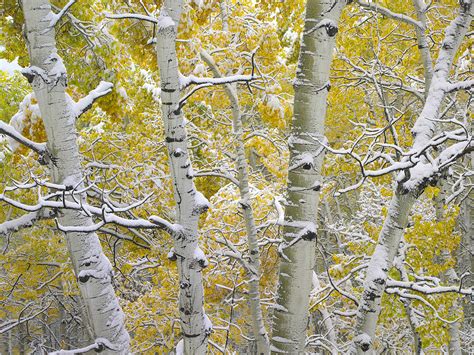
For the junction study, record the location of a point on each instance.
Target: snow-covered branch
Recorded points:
(98, 346)
(461, 85)
(389, 13)
(132, 16)
(427, 290)
(56, 17)
(86, 102)
(186, 81)
(11, 132)
(107, 213)
(10, 324)
(25, 221)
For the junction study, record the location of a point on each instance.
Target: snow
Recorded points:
(86, 102)
(305, 159)
(280, 211)
(274, 103)
(71, 181)
(180, 347)
(282, 340)
(17, 122)
(154, 90)
(102, 268)
(185, 81)
(58, 69)
(207, 324)
(83, 350)
(326, 23)
(199, 69)
(122, 92)
(363, 338)
(200, 257)
(279, 307)
(201, 201)
(273, 348)
(305, 227)
(16, 224)
(165, 21)
(425, 171)
(10, 67)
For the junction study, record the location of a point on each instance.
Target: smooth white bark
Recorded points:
(423, 44)
(190, 203)
(304, 176)
(258, 326)
(48, 77)
(403, 199)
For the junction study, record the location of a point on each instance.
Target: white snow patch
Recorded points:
(201, 201)
(165, 21)
(10, 67)
(180, 347)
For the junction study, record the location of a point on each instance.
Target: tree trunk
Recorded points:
(465, 264)
(48, 77)
(304, 176)
(259, 332)
(190, 203)
(423, 44)
(403, 200)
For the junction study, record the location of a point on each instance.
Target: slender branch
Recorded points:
(389, 13)
(105, 212)
(61, 13)
(86, 102)
(24, 221)
(8, 130)
(132, 16)
(461, 85)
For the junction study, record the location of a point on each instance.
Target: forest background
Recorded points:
(238, 61)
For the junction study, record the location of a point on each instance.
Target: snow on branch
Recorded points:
(185, 81)
(56, 17)
(389, 13)
(25, 221)
(132, 16)
(455, 32)
(86, 102)
(461, 85)
(428, 290)
(11, 132)
(107, 213)
(423, 173)
(10, 324)
(98, 346)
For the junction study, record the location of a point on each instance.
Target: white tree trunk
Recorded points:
(423, 44)
(304, 176)
(448, 276)
(259, 331)
(402, 201)
(399, 263)
(91, 266)
(465, 263)
(190, 203)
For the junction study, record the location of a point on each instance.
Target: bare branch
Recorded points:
(60, 14)
(86, 102)
(389, 13)
(8, 130)
(132, 16)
